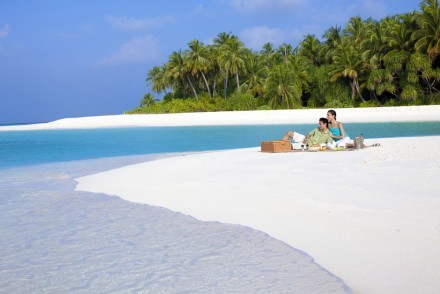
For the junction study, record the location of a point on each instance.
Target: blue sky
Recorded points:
(81, 58)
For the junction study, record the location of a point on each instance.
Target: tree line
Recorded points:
(393, 61)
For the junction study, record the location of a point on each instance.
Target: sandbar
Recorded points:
(371, 216)
(260, 117)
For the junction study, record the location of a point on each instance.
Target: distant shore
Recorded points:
(295, 116)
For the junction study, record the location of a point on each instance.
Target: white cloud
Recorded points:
(250, 6)
(4, 31)
(201, 11)
(256, 37)
(374, 8)
(138, 50)
(131, 23)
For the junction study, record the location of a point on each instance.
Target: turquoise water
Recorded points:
(21, 148)
(57, 240)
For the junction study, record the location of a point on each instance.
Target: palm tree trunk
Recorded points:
(353, 91)
(206, 83)
(373, 93)
(192, 87)
(238, 83)
(356, 83)
(225, 84)
(214, 90)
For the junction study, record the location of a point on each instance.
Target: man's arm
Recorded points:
(306, 139)
(287, 135)
(309, 135)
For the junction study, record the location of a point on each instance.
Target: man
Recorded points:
(317, 136)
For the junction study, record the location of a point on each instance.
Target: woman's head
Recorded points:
(331, 115)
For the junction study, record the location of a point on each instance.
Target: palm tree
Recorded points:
(178, 70)
(348, 65)
(428, 35)
(396, 31)
(232, 58)
(387, 48)
(333, 39)
(214, 67)
(197, 60)
(148, 100)
(310, 48)
(419, 68)
(286, 51)
(158, 79)
(300, 68)
(281, 89)
(356, 30)
(374, 45)
(222, 38)
(256, 74)
(221, 43)
(268, 53)
(380, 81)
(399, 42)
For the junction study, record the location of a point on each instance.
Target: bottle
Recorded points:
(361, 140)
(357, 142)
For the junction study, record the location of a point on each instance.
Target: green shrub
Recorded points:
(324, 92)
(264, 107)
(168, 97)
(370, 103)
(393, 102)
(432, 99)
(215, 104)
(316, 99)
(338, 104)
(242, 102)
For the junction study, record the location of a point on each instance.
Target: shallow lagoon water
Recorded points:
(55, 239)
(18, 148)
(58, 240)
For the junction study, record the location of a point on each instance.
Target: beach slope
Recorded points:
(370, 217)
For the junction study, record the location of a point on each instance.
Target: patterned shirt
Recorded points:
(317, 137)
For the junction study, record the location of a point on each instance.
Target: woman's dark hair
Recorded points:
(324, 120)
(332, 112)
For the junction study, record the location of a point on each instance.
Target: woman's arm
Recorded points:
(341, 128)
(331, 135)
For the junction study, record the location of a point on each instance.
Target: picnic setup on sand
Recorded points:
(277, 146)
(328, 136)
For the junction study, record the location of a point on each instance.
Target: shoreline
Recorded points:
(374, 223)
(256, 117)
(57, 225)
(371, 224)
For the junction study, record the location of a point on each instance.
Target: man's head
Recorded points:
(323, 124)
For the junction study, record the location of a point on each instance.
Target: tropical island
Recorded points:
(368, 63)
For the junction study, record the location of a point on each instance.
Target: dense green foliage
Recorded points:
(394, 61)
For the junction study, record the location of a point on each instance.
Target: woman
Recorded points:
(337, 132)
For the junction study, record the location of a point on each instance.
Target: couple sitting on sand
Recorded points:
(330, 132)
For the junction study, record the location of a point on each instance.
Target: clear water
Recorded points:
(19, 148)
(57, 240)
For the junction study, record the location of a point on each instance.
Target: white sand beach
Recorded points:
(294, 116)
(371, 217)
